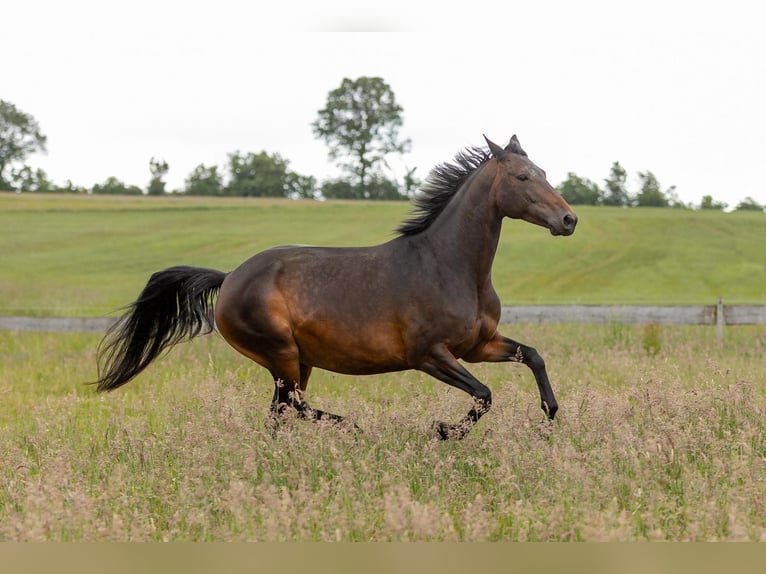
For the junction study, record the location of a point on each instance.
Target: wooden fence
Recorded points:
(56, 324)
(718, 315)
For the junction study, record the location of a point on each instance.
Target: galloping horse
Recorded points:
(422, 300)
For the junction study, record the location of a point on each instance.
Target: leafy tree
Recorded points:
(158, 169)
(339, 189)
(580, 190)
(20, 136)
(378, 188)
(257, 175)
(675, 201)
(382, 188)
(749, 204)
(301, 186)
(360, 123)
(411, 183)
(650, 194)
(616, 192)
(28, 179)
(114, 186)
(265, 175)
(204, 181)
(709, 203)
(70, 187)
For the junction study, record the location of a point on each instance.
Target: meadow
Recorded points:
(660, 433)
(665, 446)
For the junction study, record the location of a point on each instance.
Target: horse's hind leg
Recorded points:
(289, 392)
(310, 412)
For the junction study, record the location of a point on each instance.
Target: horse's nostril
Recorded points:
(570, 221)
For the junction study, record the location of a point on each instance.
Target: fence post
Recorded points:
(719, 319)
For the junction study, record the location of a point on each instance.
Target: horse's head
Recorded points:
(521, 191)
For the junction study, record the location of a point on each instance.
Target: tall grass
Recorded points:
(665, 443)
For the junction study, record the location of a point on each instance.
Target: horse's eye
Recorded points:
(522, 177)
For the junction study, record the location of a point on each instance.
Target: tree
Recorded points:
(266, 175)
(204, 181)
(360, 123)
(411, 183)
(338, 189)
(378, 188)
(114, 186)
(650, 194)
(578, 190)
(382, 188)
(257, 175)
(749, 204)
(28, 179)
(616, 192)
(158, 169)
(70, 187)
(20, 136)
(300, 186)
(709, 203)
(675, 201)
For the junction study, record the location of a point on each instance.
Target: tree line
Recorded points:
(582, 191)
(360, 124)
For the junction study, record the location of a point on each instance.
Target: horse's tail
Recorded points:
(175, 305)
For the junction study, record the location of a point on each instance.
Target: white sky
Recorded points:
(677, 88)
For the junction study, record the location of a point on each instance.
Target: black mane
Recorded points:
(440, 187)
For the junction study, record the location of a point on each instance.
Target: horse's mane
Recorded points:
(440, 187)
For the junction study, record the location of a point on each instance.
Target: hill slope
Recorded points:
(90, 255)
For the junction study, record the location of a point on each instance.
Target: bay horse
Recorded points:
(423, 300)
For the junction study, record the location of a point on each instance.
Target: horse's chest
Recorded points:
(471, 332)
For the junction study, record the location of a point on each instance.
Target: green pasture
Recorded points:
(87, 256)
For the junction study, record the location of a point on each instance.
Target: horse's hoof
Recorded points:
(443, 430)
(451, 432)
(353, 428)
(545, 428)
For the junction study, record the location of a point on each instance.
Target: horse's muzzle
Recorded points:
(566, 226)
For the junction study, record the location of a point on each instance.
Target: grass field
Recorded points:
(661, 433)
(665, 446)
(87, 256)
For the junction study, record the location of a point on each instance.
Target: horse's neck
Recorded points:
(465, 236)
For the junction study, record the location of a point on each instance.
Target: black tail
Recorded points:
(175, 305)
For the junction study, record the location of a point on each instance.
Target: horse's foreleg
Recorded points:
(442, 365)
(501, 348)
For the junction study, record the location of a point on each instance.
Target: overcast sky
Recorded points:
(676, 88)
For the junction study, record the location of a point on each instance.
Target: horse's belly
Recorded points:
(344, 349)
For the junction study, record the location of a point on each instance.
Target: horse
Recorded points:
(422, 301)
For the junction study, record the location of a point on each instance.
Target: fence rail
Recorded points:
(718, 315)
(635, 314)
(56, 324)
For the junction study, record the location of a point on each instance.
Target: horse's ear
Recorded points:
(494, 149)
(514, 146)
